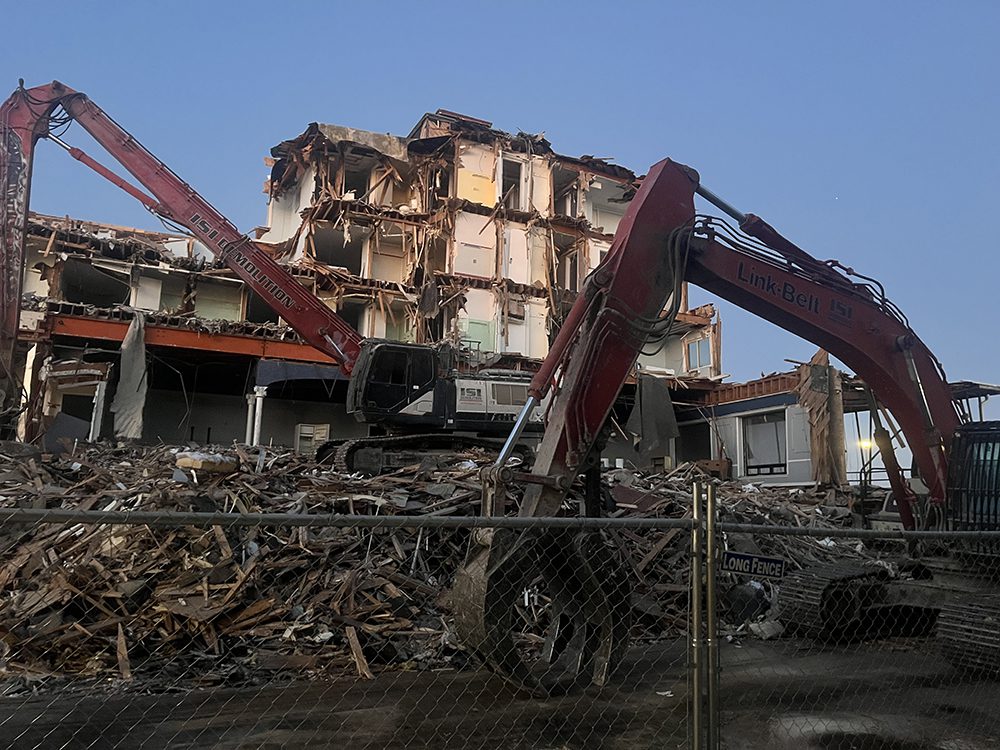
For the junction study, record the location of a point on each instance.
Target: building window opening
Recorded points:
(764, 444)
(356, 183)
(510, 185)
(391, 368)
(440, 188)
(568, 271)
(699, 354)
(567, 203)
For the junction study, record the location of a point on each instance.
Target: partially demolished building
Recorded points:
(456, 232)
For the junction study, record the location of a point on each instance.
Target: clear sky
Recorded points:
(865, 131)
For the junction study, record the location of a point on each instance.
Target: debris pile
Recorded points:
(152, 606)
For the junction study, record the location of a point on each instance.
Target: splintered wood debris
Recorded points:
(157, 607)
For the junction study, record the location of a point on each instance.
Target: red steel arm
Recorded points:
(782, 283)
(25, 117)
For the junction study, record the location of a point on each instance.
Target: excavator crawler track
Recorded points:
(373, 455)
(830, 601)
(969, 634)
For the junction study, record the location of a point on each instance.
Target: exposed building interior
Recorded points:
(456, 233)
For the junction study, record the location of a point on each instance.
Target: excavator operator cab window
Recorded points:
(392, 368)
(974, 482)
(397, 375)
(421, 370)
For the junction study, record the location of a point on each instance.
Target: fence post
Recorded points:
(711, 625)
(697, 666)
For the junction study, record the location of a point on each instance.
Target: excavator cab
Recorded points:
(974, 478)
(398, 383)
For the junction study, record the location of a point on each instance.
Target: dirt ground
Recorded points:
(780, 694)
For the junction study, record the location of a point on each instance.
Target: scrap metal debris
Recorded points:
(152, 607)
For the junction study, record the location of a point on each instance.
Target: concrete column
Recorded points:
(259, 394)
(251, 411)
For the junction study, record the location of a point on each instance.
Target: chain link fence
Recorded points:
(894, 642)
(229, 630)
(169, 629)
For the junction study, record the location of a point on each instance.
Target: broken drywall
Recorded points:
(475, 245)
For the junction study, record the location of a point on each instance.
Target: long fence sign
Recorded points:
(756, 566)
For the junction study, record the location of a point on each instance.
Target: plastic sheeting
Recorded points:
(130, 396)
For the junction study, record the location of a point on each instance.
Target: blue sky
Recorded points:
(864, 131)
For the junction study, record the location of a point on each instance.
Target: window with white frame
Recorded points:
(699, 353)
(764, 444)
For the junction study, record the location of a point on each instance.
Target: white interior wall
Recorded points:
(218, 300)
(146, 294)
(475, 245)
(597, 247)
(477, 322)
(670, 358)
(283, 213)
(516, 264)
(536, 314)
(477, 165)
(387, 259)
(541, 184)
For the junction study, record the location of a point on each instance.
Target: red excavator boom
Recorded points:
(661, 242)
(29, 115)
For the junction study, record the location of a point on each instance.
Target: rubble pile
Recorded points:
(155, 606)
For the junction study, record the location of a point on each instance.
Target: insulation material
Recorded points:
(477, 166)
(475, 245)
(820, 393)
(514, 258)
(727, 440)
(652, 420)
(130, 397)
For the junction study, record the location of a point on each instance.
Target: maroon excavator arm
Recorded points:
(660, 243)
(847, 315)
(28, 115)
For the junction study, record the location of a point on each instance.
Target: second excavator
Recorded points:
(629, 299)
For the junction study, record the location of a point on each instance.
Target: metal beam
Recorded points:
(179, 338)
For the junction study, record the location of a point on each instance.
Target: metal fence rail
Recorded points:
(891, 640)
(180, 629)
(185, 629)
